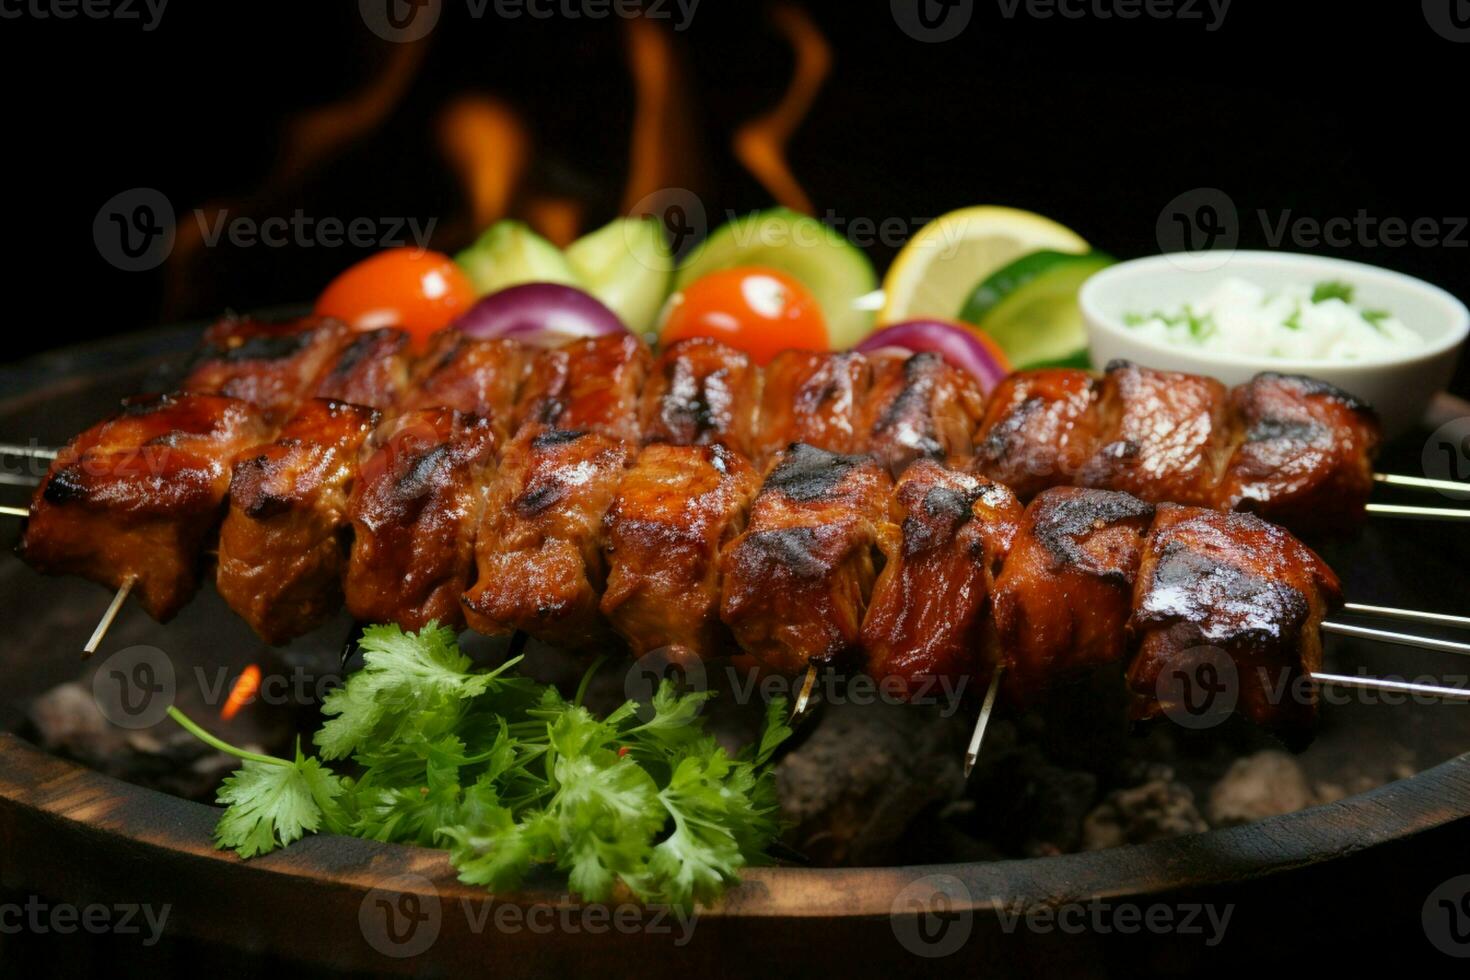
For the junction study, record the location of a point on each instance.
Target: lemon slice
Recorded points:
(936, 271)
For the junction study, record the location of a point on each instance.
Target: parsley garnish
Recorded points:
(508, 776)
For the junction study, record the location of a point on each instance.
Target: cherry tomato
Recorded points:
(415, 290)
(757, 310)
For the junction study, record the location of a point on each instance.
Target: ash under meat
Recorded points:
(883, 784)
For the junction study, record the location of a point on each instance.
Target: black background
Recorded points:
(1325, 110)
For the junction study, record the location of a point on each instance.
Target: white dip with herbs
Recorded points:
(1299, 322)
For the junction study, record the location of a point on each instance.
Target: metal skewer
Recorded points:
(30, 452)
(1401, 639)
(1419, 513)
(19, 480)
(1422, 483)
(105, 623)
(972, 754)
(1384, 684)
(14, 512)
(1408, 615)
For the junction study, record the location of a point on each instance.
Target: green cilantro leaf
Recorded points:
(407, 681)
(271, 804)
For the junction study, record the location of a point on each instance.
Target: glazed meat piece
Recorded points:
(590, 385)
(539, 550)
(676, 508)
(700, 393)
(1235, 589)
(919, 407)
(1062, 601)
(284, 543)
(927, 619)
(1164, 435)
(816, 398)
(370, 368)
(1038, 430)
(1304, 454)
(797, 580)
(271, 365)
(138, 497)
(472, 375)
(414, 509)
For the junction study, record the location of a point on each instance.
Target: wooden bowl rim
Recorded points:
(37, 788)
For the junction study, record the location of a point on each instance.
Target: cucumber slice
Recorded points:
(510, 253)
(628, 265)
(1029, 307)
(836, 271)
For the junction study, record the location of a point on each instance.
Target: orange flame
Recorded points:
(661, 150)
(246, 686)
(487, 145)
(760, 144)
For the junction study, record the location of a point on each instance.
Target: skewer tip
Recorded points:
(804, 698)
(105, 622)
(977, 737)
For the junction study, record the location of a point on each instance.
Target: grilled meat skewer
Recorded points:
(1281, 444)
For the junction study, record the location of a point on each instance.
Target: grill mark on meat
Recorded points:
(1295, 430)
(807, 473)
(539, 498)
(1060, 523)
(265, 347)
(421, 474)
(792, 548)
(354, 352)
(911, 403)
(557, 437)
(1219, 602)
(1315, 386)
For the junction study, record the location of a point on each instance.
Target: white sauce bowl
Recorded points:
(1399, 385)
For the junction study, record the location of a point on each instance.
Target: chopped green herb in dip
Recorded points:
(1319, 321)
